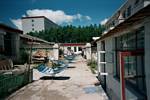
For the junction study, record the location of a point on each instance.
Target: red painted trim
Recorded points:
(122, 76)
(73, 44)
(122, 55)
(132, 53)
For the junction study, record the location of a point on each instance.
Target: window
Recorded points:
(134, 72)
(103, 49)
(32, 20)
(32, 29)
(32, 25)
(68, 48)
(103, 67)
(75, 49)
(136, 2)
(140, 38)
(113, 23)
(129, 11)
(129, 42)
(124, 14)
(80, 49)
(133, 65)
(8, 45)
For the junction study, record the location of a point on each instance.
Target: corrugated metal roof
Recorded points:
(10, 29)
(29, 37)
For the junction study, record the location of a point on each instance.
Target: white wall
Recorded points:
(88, 51)
(56, 51)
(39, 24)
(98, 55)
(72, 48)
(113, 84)
(27, 24)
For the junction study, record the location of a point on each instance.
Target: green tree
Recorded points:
(70, 34)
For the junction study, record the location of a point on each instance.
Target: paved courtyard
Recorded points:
(75, 83)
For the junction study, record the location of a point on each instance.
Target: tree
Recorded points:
(70, 34)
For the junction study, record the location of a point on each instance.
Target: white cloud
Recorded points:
(81, 17)
(17, 22)
(58, 16)
(103, 22)
(88, 18)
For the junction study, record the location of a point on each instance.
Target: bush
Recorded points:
(24, 56)
(93, 65)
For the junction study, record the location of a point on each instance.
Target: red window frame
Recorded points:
(122, 76)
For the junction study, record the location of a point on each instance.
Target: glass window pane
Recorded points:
(126, 66)
(130, 68)
(125, 42)
(132, 65)
(131, 41)
(140, 39)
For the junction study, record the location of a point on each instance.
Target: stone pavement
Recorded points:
(75, 83)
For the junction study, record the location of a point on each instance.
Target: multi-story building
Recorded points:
(36, 23)
(124, 51)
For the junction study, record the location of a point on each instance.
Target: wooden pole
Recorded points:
(30, 56)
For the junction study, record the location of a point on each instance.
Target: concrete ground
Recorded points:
(75, 83)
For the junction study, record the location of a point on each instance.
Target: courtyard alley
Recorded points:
(75, 83)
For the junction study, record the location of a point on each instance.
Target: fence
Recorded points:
(11, 82)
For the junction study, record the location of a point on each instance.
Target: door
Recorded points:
(132, 72)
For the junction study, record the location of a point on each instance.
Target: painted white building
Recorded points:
(124, 52)
(76, 48)
(36, 23)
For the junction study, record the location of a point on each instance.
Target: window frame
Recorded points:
(139, 33)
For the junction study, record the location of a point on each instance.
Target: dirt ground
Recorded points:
(75, 83)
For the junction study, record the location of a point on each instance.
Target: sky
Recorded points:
(62, 12)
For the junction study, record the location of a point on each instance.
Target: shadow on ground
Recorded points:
(55, 78)
(71, 67)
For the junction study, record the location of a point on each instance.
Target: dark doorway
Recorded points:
(7, 44)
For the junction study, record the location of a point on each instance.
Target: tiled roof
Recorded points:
(9, 29)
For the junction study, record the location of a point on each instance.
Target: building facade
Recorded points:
(9, 42)
(36, 23)
(74, 47)
(38, 48)
(13, 44)
(124, 51)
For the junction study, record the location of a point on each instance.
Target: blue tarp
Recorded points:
(50, 70)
